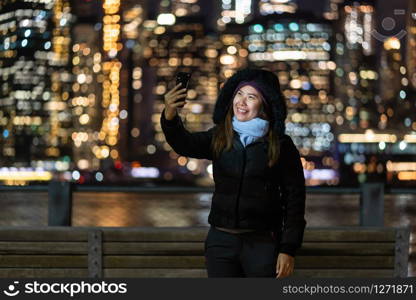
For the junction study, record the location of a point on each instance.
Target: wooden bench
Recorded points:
(79, 252)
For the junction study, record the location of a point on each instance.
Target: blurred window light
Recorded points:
(392, 43)
(76, 175)
(402, 145)
(123, 114)
(406, 176)
(166, 19)
(320, 174)
(145, 172)
(227, 59)
(25, 174)
(382, 145)
(258, 28)
(99, 176)
(294, 26)
(367, 138)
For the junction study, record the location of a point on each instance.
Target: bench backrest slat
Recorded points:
(179, 252)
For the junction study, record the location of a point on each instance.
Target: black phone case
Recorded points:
(183, 78)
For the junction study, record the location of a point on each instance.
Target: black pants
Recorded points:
(249, 254)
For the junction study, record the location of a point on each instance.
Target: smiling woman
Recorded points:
(258, 205)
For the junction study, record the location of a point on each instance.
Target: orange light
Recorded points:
(406, 176)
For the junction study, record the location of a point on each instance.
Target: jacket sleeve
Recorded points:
(293, 194)
(185, 143)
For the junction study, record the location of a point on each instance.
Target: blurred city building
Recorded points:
(356, 79)
(331, 10)
(34, 110)
(87, 87)
(83, 85)
(375, 136)
(182, 45)
(234, 11)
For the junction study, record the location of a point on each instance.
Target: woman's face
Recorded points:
(247, 103)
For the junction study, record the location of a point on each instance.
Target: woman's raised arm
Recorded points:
(183, 142)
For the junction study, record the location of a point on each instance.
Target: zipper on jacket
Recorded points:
(239, 188)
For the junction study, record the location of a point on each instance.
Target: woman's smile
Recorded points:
(242, 110)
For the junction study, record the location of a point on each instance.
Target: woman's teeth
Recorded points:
(241, 111)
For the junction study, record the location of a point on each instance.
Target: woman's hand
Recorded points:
(285, 265)
(170, 104)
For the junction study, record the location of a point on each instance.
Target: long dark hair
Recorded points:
(223, 135)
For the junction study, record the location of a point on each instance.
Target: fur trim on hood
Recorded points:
(268, 82)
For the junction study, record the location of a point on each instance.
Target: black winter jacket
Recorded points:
(248, 193)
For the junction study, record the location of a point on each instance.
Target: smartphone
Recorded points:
(183, 79)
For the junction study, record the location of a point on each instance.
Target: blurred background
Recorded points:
(82, 85)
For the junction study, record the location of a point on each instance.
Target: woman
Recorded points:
(257, 211)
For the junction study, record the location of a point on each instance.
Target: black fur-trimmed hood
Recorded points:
(268, 82)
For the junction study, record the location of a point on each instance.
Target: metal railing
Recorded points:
(60, 197)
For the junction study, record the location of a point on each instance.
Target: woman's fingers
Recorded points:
(182, 91)
(172, 98)
(284, 265)
(175, 98)
(175, 89)
(278, 268)
(280, 272)
(179, 103)
(179, 96)
(283, 271)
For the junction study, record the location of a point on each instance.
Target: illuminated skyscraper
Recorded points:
(102, 68)
(86, 89)
(356, 75)
(60, 118)
(231, 27)
(234, 11)
(376, 129)
(396, 117)
(180, 8)
(395, 113)
(357, 96)
(332, 8)
(111, 68)
(131, 79)
(233, 53)
(34, 55)
(183, 46)
(268, 7)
